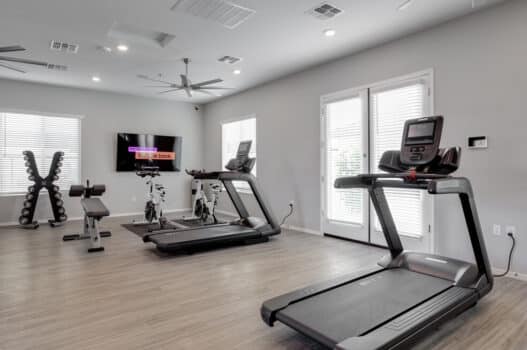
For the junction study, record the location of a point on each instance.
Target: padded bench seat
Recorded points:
(94, 208)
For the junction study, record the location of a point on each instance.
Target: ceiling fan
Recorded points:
(17, 48)
(186, 85)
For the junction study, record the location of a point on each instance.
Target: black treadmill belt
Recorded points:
(357, 307)
(203, 235)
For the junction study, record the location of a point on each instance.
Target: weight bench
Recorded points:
(94, 211)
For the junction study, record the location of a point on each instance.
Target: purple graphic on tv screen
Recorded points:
(135, 149)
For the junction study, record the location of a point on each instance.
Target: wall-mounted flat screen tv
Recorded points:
(135, 151)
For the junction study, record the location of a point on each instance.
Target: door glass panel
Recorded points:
(390, 109)
(344, 153)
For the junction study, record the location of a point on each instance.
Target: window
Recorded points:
(44, 135)
(390, 108)
(232, 134)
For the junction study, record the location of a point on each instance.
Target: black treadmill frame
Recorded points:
(227, 177)
(463, 275)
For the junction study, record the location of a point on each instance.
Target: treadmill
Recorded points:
(245, 230)
(391, 306)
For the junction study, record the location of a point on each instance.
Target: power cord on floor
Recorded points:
(288, 214)
(510, 256)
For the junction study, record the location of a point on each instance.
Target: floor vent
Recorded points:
(324, 11)
(223, 12)
(229, 59)
(61, 46)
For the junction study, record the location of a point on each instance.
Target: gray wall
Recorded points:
(105, 114)
(480, 80)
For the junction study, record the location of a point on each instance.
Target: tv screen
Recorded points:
(137, 150)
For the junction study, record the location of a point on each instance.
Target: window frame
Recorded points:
(242, 189)
(80, 117)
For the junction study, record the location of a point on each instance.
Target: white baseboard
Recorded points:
(226, 213)
(118, 215)
(301, 229)
(511, 274)
(286, 227)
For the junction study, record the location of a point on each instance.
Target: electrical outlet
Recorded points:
(496, 230)
(510, 229)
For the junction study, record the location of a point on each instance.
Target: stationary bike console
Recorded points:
(151, 171)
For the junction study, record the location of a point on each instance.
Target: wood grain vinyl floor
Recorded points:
(54, 295)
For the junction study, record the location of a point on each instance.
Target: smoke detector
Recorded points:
(229, 59)
(324, 11)
(61, 46)
(223, 12)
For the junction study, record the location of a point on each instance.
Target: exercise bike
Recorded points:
(203, 206)
(153, 213)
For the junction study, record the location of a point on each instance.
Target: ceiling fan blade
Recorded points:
(12, 48)
(208, 82)
(188, 91)
(213, 88)
(12, 68)
(167, 91)
(208, 93)
(142, 76)
(22, 60)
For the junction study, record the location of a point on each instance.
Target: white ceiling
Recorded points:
(278, 40)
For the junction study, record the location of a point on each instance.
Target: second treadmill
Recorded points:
(245, 229)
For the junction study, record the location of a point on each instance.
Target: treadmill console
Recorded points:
(242, 162)
(421, 138)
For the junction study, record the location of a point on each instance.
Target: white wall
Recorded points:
(480, 80)
(106, 114)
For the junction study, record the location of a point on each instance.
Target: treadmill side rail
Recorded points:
(405, 330)
(272, 306)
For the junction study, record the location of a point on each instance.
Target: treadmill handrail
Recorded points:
(434, 184)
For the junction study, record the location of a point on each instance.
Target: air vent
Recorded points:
(57, 67)
(132, 34)
(229, 59)
(63, 47)
(324, 11)
(223, 12)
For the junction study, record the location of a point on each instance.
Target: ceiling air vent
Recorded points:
(57, 67)
(61, 46)
(229, 59)
(324, 11)
(223, 12)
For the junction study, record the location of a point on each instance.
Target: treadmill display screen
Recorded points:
(421, 133)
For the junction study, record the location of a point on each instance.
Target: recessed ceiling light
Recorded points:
(330, 32)
(96, 79)
(122, 48)
(404, 5)
(237, 72)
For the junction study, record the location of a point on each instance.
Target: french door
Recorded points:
(357, 127)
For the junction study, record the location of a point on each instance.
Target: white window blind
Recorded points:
(344, 158)
(231, 135)
(390, 109)
(44, 135)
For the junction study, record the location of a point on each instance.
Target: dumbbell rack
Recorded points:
(33, 191)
